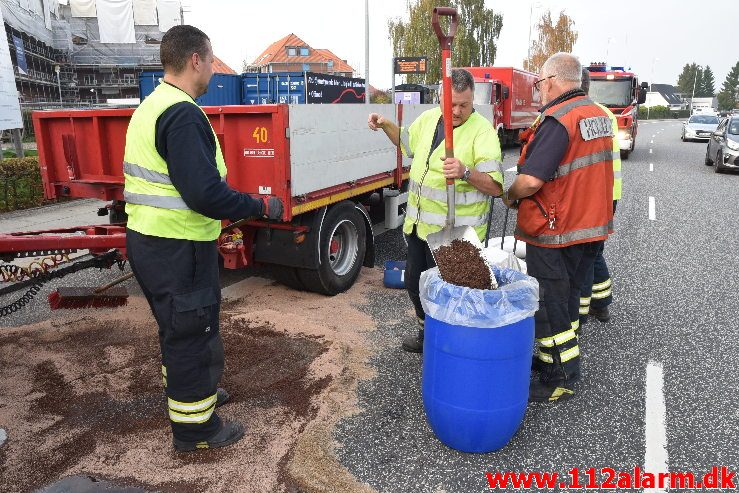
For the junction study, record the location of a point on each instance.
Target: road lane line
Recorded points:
(651, 141)
(652, 209)
(650, 151)
(655, 430)
(651, 166)
(652, 136)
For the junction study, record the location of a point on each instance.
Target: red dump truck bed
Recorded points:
(308, 156)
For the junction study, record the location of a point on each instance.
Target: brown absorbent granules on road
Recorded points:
(461, 264)
(82, 395)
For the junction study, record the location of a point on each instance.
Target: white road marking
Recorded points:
(651, 141)
(513, 168)
(651, 166)
(652, 136)
(650, 151)
(655, 430)
(652, 209)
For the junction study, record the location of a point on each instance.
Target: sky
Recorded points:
(655, 39)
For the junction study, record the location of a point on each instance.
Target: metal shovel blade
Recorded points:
(447, 235)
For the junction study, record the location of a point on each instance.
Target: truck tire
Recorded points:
(287, 276)
(342, 245)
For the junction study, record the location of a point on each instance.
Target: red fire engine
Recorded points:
(620, 92)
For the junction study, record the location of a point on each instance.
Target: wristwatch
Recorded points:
(466, 174)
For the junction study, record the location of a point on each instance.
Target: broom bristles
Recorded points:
(73, 298)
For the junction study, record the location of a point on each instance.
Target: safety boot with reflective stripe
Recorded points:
(543, 392)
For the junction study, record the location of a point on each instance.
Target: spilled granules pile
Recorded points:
(81, 395)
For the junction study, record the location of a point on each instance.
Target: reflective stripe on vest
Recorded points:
(460, 198)
(488, 166)
(405, 145)
(149, 175)
(160, 201)
(571, 106)
(580, 234)
(440, 219)
(582, 162)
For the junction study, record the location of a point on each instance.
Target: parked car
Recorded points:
(723, 146)
(699, 127)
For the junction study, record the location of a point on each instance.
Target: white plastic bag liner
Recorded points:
(169, 14)
(115, 19)
(493, 255)
(83, 8)
(145, 12)
(516, 298)
(508, 243)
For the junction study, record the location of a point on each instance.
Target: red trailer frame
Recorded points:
(81, 155)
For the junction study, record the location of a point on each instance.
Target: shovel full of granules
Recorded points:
(461, 263)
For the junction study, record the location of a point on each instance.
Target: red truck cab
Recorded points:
(620, 92)
(510, 93)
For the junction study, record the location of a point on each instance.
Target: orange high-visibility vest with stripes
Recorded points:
(576, 206)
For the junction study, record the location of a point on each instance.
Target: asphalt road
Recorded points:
(674, 319)
(675, 288)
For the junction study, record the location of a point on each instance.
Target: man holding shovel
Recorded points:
(475, 169)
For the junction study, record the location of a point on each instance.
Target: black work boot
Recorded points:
(230, 432)
(550, 392)
(222, 396)
(413, 344)
(601, 314)
(537, 365)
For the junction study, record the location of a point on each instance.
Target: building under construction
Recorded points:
(80, 53)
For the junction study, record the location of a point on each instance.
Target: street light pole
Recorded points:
(650, 84)
(366, 53)
(531, 13)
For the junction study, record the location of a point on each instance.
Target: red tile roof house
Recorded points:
(292, 54)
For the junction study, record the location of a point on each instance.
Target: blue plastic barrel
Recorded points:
(476, 380)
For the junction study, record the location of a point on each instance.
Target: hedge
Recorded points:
(20, 184)
(661, 113)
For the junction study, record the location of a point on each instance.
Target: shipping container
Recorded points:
(269, 88)
(223, 90)
(299, 88)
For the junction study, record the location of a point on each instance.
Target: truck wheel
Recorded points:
(342, 245)
(117, 213)
(287, 276)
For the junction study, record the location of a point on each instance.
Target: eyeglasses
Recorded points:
(536, 84)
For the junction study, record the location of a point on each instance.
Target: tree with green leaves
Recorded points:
(708, 83)
(728, 98)
(552, 39)
(474, 44)
(692, 75)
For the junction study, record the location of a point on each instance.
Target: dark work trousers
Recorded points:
(560, 272)
(180, 280)
(419, 259)
(596, 291)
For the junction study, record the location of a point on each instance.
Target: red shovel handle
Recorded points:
(445, 41)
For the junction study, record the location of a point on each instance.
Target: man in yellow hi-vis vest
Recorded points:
(596, 292)
(476, 168)
(176, 196)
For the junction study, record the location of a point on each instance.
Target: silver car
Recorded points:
(699, 127)
(723, 147)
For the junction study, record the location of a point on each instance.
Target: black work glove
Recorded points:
(272, 208)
